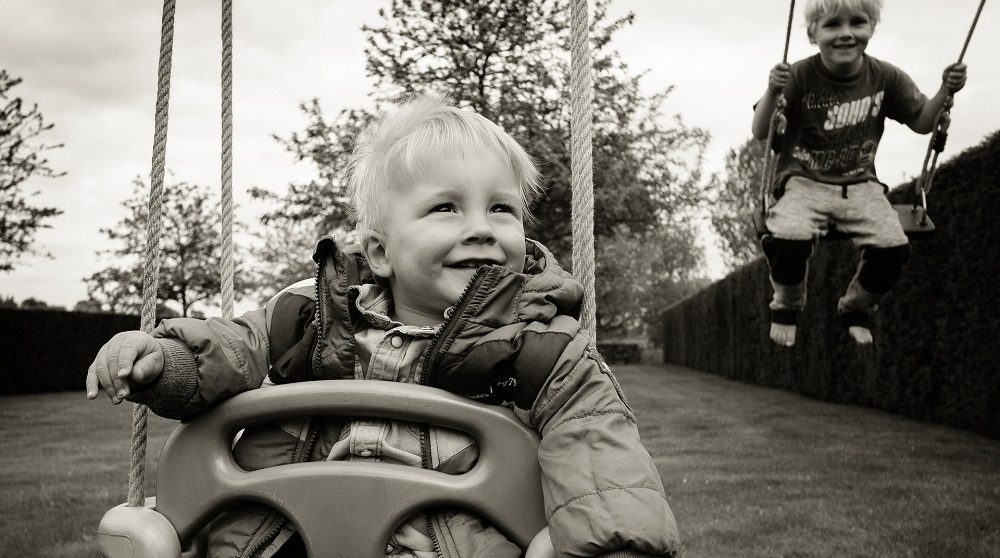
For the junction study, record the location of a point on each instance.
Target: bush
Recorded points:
(620, 352)
(935, 333)
(48, 350)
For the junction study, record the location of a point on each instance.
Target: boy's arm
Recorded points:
(764, 108)
(205, 361)
(603, 494)
(952, 81)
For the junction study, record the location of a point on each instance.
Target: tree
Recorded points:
(509, 60)
(20, 159)
(649, 273)
(190, 245)
(35, 304)
(286, 248)
(735, 198)
(89, 306)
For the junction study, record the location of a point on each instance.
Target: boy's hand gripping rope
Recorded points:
(775, 127)
(939, 134)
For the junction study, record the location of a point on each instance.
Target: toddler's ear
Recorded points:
(375, 252)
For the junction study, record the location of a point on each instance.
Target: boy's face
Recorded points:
(458, 214)
(842, 38)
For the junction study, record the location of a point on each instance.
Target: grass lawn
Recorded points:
(750, 472)
(65, 461)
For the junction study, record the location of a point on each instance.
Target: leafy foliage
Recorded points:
(20, 159)
(509, 61)
(734, 200)
(287, 246)
(644, 275)
(190, 244)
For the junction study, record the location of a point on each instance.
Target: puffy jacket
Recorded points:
(512, 339)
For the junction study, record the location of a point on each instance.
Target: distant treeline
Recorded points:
(937, 334)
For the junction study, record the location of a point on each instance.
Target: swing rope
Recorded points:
(227, 159)
(137, 469)
(939, 136)
(151, 272)
(582, 171)
(775, 127)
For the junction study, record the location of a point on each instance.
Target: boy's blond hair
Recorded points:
(815, 9)
(416, 133)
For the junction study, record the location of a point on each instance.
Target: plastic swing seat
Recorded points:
(197, 476)
(914, 219)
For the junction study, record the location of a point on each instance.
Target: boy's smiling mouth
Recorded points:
(472, 264)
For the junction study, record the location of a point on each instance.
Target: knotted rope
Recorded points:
(582, 172)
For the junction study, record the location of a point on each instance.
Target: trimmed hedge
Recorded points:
(49, 350)
(936, 333)
(620, 352)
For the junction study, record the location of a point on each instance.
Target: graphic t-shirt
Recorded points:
(835, 123)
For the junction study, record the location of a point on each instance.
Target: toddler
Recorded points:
(443, 290)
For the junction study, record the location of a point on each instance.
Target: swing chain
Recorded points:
(940, 133)
(939, 137)
(775, 130)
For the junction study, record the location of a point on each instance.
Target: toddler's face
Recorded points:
(458, 214)
(842, 38)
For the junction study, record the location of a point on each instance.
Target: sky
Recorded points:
(91, 69)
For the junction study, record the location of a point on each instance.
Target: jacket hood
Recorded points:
(543, 291)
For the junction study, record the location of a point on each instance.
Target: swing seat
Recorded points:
(914, 220)
(197, 476)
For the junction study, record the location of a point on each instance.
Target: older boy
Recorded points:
(838, 101)
(444, 290)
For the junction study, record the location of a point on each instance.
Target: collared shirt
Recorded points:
(392, 352)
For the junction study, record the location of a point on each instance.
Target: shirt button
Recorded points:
(396, 342)
(366, 453)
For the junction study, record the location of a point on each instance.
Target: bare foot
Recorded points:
(861, 335)
(783, 334)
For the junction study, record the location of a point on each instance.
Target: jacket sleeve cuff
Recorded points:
(175, 386)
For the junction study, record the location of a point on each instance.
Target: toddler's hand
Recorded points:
(954, 77)
(130, 355)
(541, 546)
(778, 77)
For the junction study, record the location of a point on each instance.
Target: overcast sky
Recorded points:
(91, 69)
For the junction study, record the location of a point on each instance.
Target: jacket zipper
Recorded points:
(430, 358)
(434, 539)
(268, 536)
(317, 367)
(317, 360)
(431, 355)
